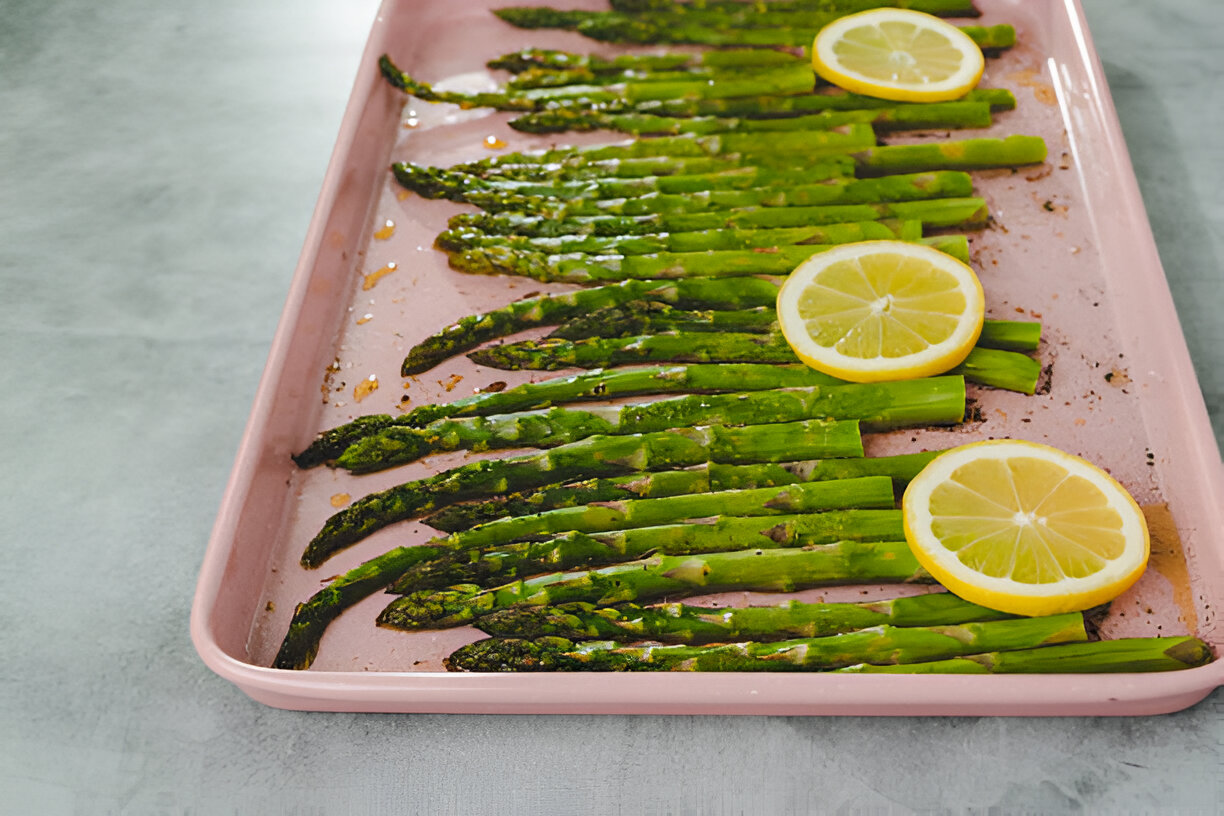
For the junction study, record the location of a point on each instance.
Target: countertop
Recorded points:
(160, 165)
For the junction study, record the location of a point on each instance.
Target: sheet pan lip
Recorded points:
(728, 693)
(1179, 351)
(242, 473)
(804, 693)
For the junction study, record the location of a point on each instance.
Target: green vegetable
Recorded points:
(586, 458)
(675, 576)
(885, 644)
(495, 564)
(681, 623)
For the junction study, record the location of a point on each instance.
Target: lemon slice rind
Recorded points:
(830, 66)
(1068, 594)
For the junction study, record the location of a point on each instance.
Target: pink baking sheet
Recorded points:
(1070, 246)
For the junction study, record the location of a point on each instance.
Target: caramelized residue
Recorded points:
(365, 388)
(1043, 91)
(1168, 559)
(340, 499)
(365, 318)
(371, 280)
(385, 231)
(450, 384)
(493, 143)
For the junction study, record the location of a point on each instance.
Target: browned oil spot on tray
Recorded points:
(1168, 559)
(371, 280)
(1043, 91)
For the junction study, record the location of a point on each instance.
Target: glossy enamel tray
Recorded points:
(1070, 245)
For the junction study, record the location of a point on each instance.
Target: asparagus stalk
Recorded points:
(966, 154)
(436, 182)
(584, 268)
(770, 107)
(576, 168)
(943, 8)
(492, 565)
(584, 387)
(935, 213)
(864, 493)
(499, 195)
(754, 149)
(311, 619)
(699, 479)
(793, 147)
(945, 115)
(793, 78)
(588, 458)
(1097, 657)
(1001, 369)
(877, 406)
(534, 80)
(551, 309)
(682, 623)
(744, 26)
(644, 317)
(676, 576)
(1008, 370)
(540, 59)
(888, 189)
(877, 645)
(462, 239)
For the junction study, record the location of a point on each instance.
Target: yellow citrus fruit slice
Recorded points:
(1025, 528)
(898, 54)
(881, 310)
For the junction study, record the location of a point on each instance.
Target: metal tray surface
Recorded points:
(1070, 245)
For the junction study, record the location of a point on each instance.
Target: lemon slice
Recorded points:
(881, 310)
(1024, 528)
(898, 54)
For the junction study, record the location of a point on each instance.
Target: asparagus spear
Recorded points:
(755, 149)
(877, 645)
(743, 26)
(584, 268)
(541, 59)
(1096, 657)
(702, 478)
(768, 107)
(792, 78)
(943, 8)
(682, 623)
(644, 317)
(791, 147)
(935, 213)
(586, 458)
(535, 80)
(804, 187)
(945, 115)
(492, 565)
(864, 493)
(885, 229)
(878, 406)
(544, 310)
(769, 570)
(576, 167)
(966, 154)
(590, 385)
(758, 102)
(999, 369)
(436, 182)
(311, 619)
(910, 187)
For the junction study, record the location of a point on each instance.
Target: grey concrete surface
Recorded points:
(160, 163)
